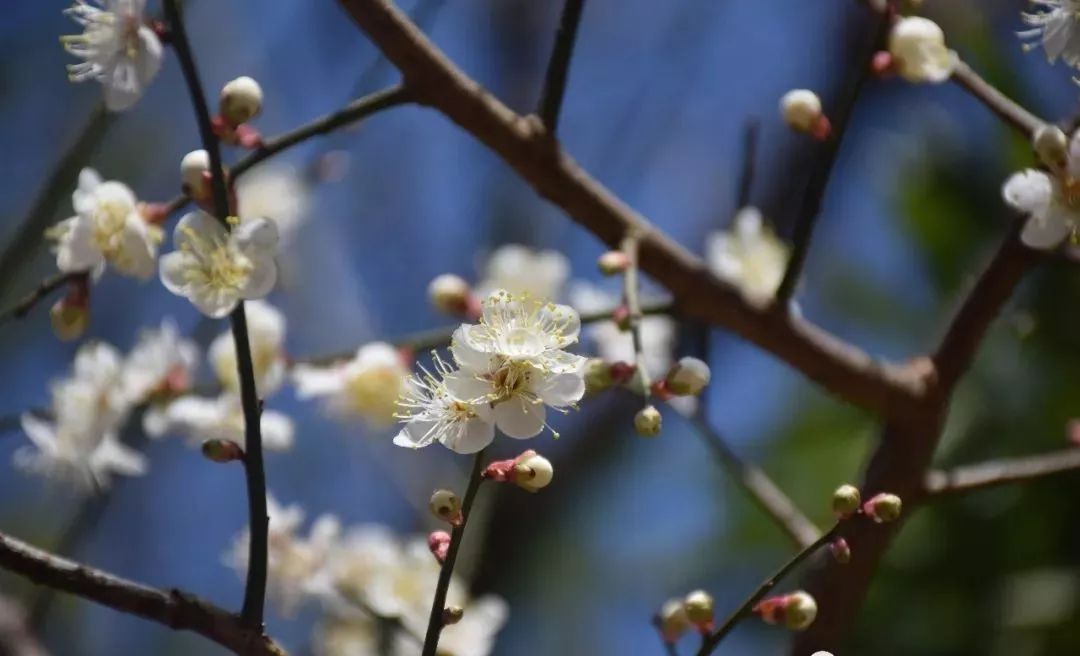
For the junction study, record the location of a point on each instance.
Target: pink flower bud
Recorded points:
(621, 317)
(840, 551)
(613, 262)
(622, 372)
(883, 508)
(883, 64)
(796, 611)
(439, 545)
(154, 213)
(222, 451)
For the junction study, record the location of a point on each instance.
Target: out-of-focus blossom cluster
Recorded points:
(361, 576)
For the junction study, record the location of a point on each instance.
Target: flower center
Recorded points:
(221, 267)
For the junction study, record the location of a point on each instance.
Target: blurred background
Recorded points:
(658, 98)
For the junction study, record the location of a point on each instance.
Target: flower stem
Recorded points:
(629, 247)
(435, 620)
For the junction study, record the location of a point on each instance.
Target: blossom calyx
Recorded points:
(446, 506)
(883, 508)
(240, 101)
(846, 501)
(220, 450)
(530, 471)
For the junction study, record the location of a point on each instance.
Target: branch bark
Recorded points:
(525, 145)
(996, 473)
(175, 609)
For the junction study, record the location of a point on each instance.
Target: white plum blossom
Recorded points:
(404, 590)
(220, 418)
(749, 257)
(161, 362)
(514, 360)
(917, 46)
(355, 635)
(521, 270)
(80, 444)
(473, 635)
(296, 566)
(364, 552)
(432, 413)
(266, 339)
(1056, 25)
(1050, 198)
(366, 386)
(276, 191)
(216, 269)
(658, 332)
(108, 228)
(117, 47)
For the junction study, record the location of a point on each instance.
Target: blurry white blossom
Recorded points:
(515, 359)
(80, 443)
(161, 362)
(117, 47)
(658, 332)
(1050, 198)
(367, 386)
(296, 566)
(219, 418)
(216, 269)
(1056, 25)
(521, 270)
(749, 257)
(108, 227)
(275, 191)
(266, 339)
(473, 635)
(917, 46)
(355, 635)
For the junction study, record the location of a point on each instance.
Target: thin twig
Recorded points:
(41, 292)
(751, 131)
(814, 194)
(996, 473)
(175, 609)
(631, 296)
(255, 475)
(765, 493)
(438, 604)
(558, 68)
(713, 639)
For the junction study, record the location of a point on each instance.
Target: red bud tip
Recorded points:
(622, 372)
(883, 65)
(822, 128)
(439, 544)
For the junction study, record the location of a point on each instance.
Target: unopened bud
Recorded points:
(222, 450)
(597, 375)
(796, 611)
(621, 317)
(699, 609)
(801, 109)
(446, 506)
(193, 171)
(69, 321)
(882, 64)
(450, 294)
(846, 500)
(613, 262)
(840, 550)
(439, 545)
(672, 621)
(648, 421)
(883, 508)
(452, 615)
(687, 377)
(1051, 146)
(532, 471)
(241, 100)
(153, 213)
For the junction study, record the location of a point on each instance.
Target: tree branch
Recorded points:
(995, 473)
(41, 292)
(175, 609)
(528, 148)
(558, 69)
(751, 132)
(438, 604)
(755, 482)
(814, 194)
(255, 475)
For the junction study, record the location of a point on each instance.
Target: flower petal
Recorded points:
(562, 390)
(1028, 191)
(475, 435)
(256, 238)
(520, 419)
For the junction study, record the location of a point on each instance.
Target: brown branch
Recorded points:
(995, 473)
(1004, 107)
(529, 149)
(40, 293)
(254, 472)
(821, 171)
(173, 608)
(765, 493)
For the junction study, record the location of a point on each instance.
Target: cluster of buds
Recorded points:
(438, 543)
(677, 616)
(240, 101)
(802, 111)
(687, 377)
(222, 451)
(446, 506)
(452, 295)
(882, 508)
(70, 316)
(796, 610)
(530, 471)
